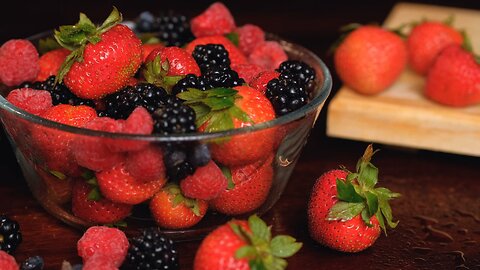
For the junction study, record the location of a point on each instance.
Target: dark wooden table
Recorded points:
(440, 190)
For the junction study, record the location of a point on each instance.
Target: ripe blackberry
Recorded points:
(286, 95)
(222, 77)
(211, 55)
(173, 30)
(10, 235)
(190, 81)
(59, 92)
(32, 263)
(173, 117)
(298, 71)
(177, 164)
(151, 250)
(120, 105)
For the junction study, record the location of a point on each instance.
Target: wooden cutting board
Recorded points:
(401, 115)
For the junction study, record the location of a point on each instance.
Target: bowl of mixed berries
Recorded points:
(161, 121)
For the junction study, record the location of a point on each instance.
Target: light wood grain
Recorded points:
(402, 115)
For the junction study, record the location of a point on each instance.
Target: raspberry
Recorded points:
(99, 240)
(7, 262)
(268, 55)
(146, 165)
(51, 62)
(215, 20)
(30, 100)
(18, 62)
(206, 183)
(249, 36)
(247, 71)
(260, 81)
(92, 152)
(100, 262)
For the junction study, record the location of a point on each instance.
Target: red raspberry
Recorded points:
(206, 183)
(30, 100)
(139, 122)
(51, 62)
(104, 241)
(18, 62)
(268, 55)
(7, 262)
(215, 20)
(260, 81)
(247, 71)
(147, 164)
(249, 36)
(99, 262)
(93, 152)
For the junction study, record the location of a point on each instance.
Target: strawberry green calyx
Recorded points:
(174, 190)
(76, 37)
(357, 195)
(233, 37)
(262, 251)
(155, 72)
(215, 108)
(94, 194)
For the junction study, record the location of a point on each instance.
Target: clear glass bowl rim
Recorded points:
(325, 88)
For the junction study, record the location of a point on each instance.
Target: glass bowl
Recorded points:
(50, 175)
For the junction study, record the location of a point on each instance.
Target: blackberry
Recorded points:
(297, 71)
(222, 77)
(151, 250)
(177, 163)
(173, 117)
(286, 95)
(59, 92)
(32, 263)
(10, 235)
(173, 30)
(190, 81)
(211, 55)
(120, 105)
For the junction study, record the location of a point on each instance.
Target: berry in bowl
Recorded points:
(158, 127)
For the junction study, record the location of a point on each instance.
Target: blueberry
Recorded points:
(32, 263)
(200, 155)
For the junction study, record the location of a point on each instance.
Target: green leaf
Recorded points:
(221, 92)
(245, 252)
(88, 175)
(203, 114)
(277, 264)
(219, 103)
(284, 246)
(381, 221)
(386, 193)
(149, 38)
(344, 211)
(47, 44)
(92, 182)
(387, 212)
(240, 232)
(233, 37)
(239, 114)
(94, 194)
(351, 176)
(257, 264)
(178, 199)
(219, 121)
(449, 20)
(259, 228)
(228, 174)
(372, 203)
(58, 174)
(85, 24)
(366, 218)
(467, 42)
(346, 192)
(368, 175)
(192, 94)
(113, 19)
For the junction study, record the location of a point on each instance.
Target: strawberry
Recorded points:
(215, 20)
(117, 185)
(51, 62)
(235, 55)
(248, 190)
(346, 212)
(243, 245)
(103, 58)
(261, 80)
(148, 48)
(224, 109)
(180, 62)
(370, 59)
(55, 146)
(426, 41)
(172, 210)
(89, 205)
(206, 183)
(454, 78)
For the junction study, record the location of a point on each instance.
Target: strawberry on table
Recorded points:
(243, 245)
(96, 67)
(215, 20)
(51, 62)
(172, 210)
(346, 212)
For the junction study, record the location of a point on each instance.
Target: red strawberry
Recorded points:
(243, 245)
(51, 62)
(268, 55)
(215, 20)
(102, 63)
(147, 164)
(346, 212)
(33, 101)
(172, 210)
(89, 205)
(250, 188)
(260, 81)
(426, 41)
(7, 261)
(370, 59)
(206, 183)
(117, 185)
(247, 71)
(18, 62)
(454, 78)
(148, 48)
(249, 37)
(55, 146)
(235, 55)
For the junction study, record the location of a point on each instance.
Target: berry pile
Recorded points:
(190, 79)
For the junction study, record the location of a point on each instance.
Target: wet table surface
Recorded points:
(439, 210)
